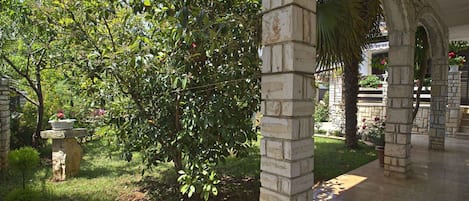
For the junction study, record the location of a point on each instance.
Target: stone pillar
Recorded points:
(399, 104)
(66, 152)
(4, 123)
(439, 93)
(336, 103)
(289, 33)
(454, 101)
(385, 95)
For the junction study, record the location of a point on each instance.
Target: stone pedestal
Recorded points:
(66, 152)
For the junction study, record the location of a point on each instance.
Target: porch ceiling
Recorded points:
(455, 14)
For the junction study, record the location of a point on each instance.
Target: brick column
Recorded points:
(289, 33)
(399, 104)
(439, 95)
(336, 102)
(4, 123)
(385, 95)
(454, 101)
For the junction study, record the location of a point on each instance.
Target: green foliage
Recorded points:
(360, 17)
(179, 79)
(31, 54)
(373, 131)
(23, 160)
(337, 133)
(458, 46)
(321, 113)
(380, 63)
(371, 81)
(455, 47)
(24, 195)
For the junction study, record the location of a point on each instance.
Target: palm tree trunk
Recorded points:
(350, 92)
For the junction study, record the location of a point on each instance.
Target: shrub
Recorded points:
(337, 133)
(23, 160)
(371, 81)
(373, 131)
(321, 113)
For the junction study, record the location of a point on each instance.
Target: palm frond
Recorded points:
(345, 28)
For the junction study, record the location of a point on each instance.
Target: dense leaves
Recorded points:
(178, 79)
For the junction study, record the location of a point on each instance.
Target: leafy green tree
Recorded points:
(360, 19)
(28, 47)
(179, 79)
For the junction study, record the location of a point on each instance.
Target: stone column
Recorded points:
(385, 95)
(289, 33)
(399, 104)
(439, 95)
(454, 101)
(4, 123)
(336, 103)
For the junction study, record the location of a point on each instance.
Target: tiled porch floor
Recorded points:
(436, 176)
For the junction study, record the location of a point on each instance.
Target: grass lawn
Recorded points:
(104, 178)
(332, 159)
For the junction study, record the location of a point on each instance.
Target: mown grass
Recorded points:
(102, 178)
(332, 158)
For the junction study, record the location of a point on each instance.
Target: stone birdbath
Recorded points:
(66, 152)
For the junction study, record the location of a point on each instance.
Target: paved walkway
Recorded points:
(436, 176)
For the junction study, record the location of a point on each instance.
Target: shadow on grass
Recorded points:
(239, 180)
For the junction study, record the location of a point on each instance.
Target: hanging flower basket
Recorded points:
(62, 124)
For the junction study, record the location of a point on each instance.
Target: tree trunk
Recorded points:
(177, 160)
(40, 108)
(177, 157)
(421, 73)
(350, 97)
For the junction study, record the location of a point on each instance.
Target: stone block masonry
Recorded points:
(288, 36)
(453, 114)
(4, 123)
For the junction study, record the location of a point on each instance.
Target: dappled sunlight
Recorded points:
(330, 189)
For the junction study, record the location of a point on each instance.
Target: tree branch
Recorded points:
(24, 96)
(110, 35)
(17, 70)
(88, 38)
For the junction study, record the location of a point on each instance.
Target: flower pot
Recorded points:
(62, 124)
(380, 151)
(453, 68)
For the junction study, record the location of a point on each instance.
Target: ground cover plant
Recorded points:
(106, 176)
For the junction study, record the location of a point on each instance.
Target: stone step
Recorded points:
(462, 135)
(464, 129)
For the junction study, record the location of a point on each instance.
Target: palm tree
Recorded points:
(345, 28)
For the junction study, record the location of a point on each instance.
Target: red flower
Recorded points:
(364, 127)
(451, 55)
(376, 118)
(383, 62)
(363, 120)
(60, 115)
(194, 45)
